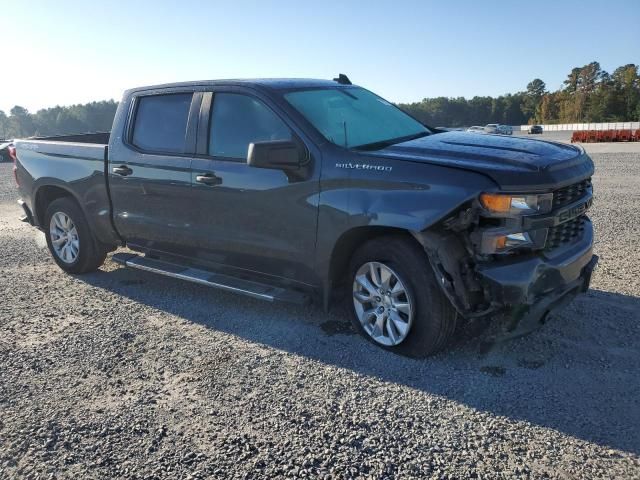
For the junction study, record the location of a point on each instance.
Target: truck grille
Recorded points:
(565, 233)
(564, 196)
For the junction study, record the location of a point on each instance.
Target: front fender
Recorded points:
(410, 196)
(402, 195)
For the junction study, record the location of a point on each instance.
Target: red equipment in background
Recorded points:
(593, 136)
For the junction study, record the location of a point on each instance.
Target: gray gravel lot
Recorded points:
(129, 375)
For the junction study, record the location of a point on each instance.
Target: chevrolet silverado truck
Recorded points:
(299, 190)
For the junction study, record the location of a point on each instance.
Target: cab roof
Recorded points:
(266, 83)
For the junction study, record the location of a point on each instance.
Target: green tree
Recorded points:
(20, 122)
(547, 111)
(581, 88)
(67, 122)
(590, 76)
(92, 117)
(4, 126)
(626, 84)
(536, 88)
(571, 83)
(513, 114)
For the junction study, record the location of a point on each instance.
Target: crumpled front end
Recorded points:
(520, 255)
(529, 288)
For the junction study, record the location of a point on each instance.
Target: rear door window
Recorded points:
(238, 120)
(161, 122)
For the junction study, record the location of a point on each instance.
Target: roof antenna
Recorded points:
(342, 79)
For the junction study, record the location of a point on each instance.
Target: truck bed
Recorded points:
(84, 146)
(70, 164)
(95, 137)
(62, 151)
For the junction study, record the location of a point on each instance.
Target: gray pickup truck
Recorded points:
(295, 190)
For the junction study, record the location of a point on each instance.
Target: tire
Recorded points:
(84, 253)
(433, 318)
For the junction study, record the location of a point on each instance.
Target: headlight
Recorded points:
(498, 242)
(498, 203)
(511, 240)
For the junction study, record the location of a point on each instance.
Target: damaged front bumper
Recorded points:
(528, 288)
(521, 288)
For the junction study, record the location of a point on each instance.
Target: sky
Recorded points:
(64, 52)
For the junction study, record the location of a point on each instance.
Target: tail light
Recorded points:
(14, 157)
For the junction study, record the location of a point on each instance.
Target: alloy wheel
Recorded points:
(64, 237)
(382, 304)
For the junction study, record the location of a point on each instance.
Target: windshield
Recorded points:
(355, 118)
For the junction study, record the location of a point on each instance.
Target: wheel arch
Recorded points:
(49, 192)
(45, 195)
(346, 246)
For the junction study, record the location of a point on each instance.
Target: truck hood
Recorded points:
(513, 163)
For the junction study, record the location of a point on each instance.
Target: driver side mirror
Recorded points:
(277, 155)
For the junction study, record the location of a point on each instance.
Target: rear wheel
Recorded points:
(69, 238)
(396, 302)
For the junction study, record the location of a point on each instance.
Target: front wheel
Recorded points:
(396, 302)
(69, 238)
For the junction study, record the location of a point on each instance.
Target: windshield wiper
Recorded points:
(392, 141)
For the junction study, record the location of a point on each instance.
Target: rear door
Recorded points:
(150, 172)
(248, 218)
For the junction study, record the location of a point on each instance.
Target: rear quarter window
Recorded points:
(160, 122)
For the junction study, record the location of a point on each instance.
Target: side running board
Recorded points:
(216, 280)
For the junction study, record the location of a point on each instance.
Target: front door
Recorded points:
(248, 218)
(150, 172)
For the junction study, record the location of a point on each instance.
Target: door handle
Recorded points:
(208, 179)
(122, 170)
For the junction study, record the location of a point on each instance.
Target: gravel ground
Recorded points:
(130, 375)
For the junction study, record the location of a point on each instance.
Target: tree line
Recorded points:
(589, 94)
(90, 117)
